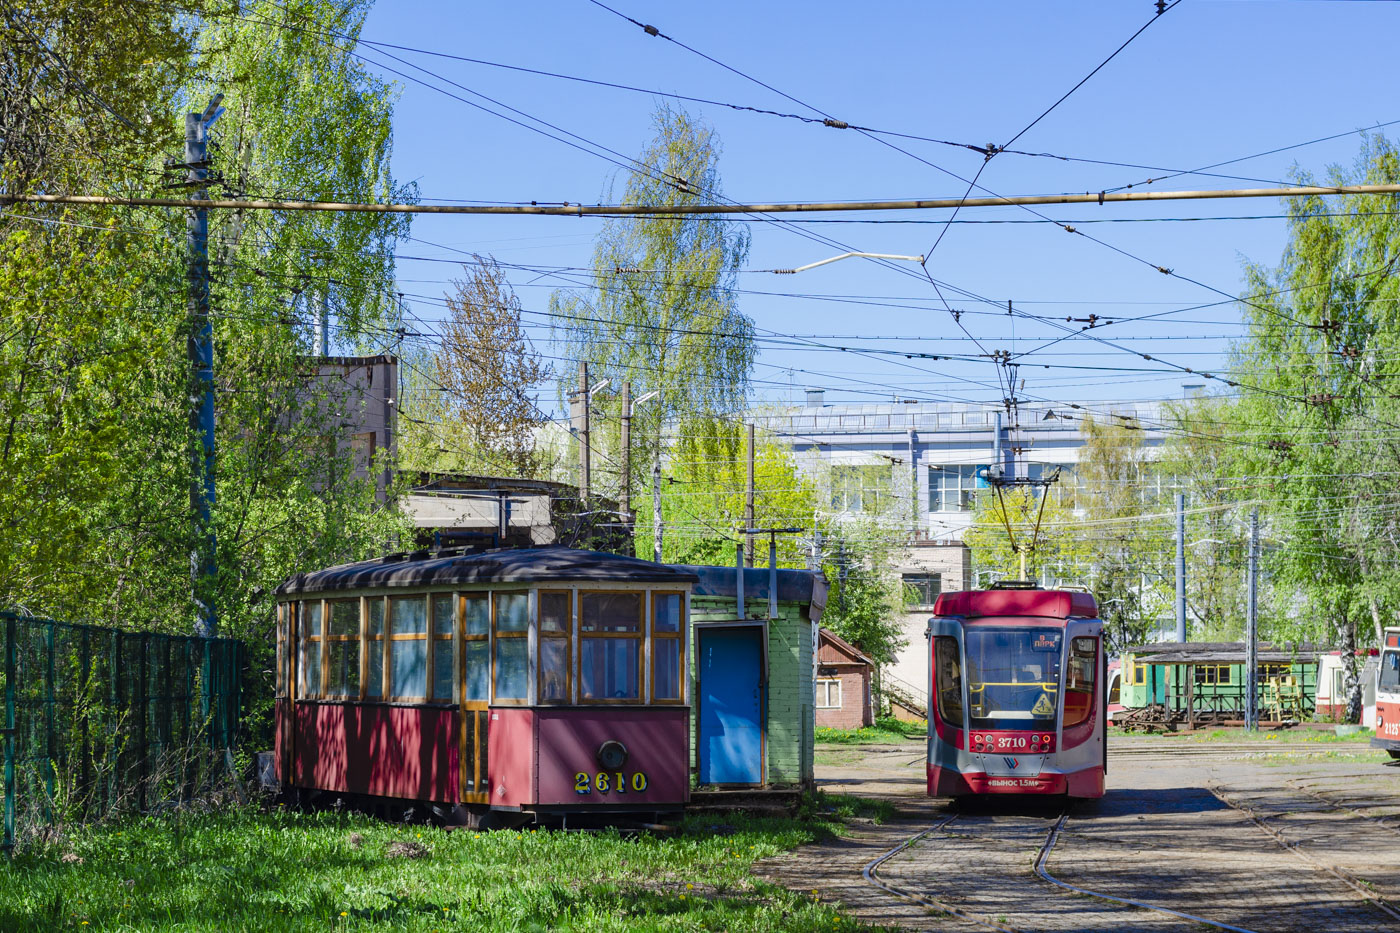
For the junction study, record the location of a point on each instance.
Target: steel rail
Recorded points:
(567, 209)
(871, 874)
(1283, 842)
(1040, 870)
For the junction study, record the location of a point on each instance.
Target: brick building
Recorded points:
(844, 700)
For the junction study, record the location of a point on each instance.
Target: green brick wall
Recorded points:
(791, 723)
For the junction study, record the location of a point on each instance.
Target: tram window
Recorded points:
(610, 644)
(1139, 674)
(666, 646)
(1390, 672)
(1013, 677)
(512, 646)
(948, 673)
(441, 645)
(374, 648)
(408, 648)
(556, 627)
(311, 648)
(1211, 674)
(283, 617)
(1271, 670)
(343, 649)
(476, 658)
(1079, 682)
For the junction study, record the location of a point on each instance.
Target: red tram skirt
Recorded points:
(945, 782)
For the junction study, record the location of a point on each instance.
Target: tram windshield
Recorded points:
(1013, 677)
(1390, 673)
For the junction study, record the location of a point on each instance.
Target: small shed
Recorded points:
(844, 700)
(752, 666)
(1206, 680)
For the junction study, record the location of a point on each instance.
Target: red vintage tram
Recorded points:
(1014, 694)
(490, 688)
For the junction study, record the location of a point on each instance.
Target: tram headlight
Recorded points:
(612, 755)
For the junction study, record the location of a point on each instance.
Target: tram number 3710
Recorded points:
(609, 782)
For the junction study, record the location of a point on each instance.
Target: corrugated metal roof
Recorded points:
(520, 565)
(1222, 652)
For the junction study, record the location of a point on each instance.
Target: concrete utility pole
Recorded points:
(656, 504)
(624, 496)
(585, 465)
(1251, 635)
(203, 562)
(1181, 566)
(748, 503)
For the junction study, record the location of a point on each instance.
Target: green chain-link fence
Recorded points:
(98, 720)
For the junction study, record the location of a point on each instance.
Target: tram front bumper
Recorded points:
(946, 782)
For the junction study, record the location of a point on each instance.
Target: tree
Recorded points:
(1039, 524)
(485, 371)
(662, 312)
(865, 600)
(1318, 412)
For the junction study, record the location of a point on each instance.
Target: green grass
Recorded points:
(250, 870)
(886, 731)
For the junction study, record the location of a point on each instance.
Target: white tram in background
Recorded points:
(1388, 695)
(1016, 702)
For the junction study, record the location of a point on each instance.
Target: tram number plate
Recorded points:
(1011, 742)
(609, 782)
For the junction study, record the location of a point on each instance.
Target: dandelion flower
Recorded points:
(689, 886)
(344, 914)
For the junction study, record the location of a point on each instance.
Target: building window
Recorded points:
(610, 646)
(1211, 674)
(921, 589)
(512, 668)
(343, 649)
(362, 450)
(953, 488)
(860, 488)
(829, 694)
(311, 640)
(444, 679)
(408, 648)
(667, 647)
(556, 632)
(476, 655)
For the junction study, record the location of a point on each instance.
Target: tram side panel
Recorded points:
(1388, 695)
(404, 752)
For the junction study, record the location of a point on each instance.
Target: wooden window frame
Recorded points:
(653, 637)
(370, 642)
(566, 636)
(327, 638)
(304, 638)
(435, 644)
(639, 635)
(497, 635)
(390, 638)
(827, 682)
(279, 690)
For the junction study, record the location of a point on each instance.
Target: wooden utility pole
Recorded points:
(748, 503)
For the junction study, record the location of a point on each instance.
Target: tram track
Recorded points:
(1296, 848)
(871, 875)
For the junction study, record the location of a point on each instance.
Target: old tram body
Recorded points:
(1016, 702)
(492, 688)
(1388, 695)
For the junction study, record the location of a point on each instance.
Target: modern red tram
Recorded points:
(1388, 695)
(1015, 698)
(490, 688)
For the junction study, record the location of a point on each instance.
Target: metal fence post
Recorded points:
(50, 704)
(9, 788)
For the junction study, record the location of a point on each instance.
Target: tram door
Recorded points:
(730, 691)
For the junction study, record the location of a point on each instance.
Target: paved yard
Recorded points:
(1258, 835)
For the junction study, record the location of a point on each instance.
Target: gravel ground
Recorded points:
(1260, 835)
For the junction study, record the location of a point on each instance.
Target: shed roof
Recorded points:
(505, 565)
(1222, 652)
(794, 586)
(845, 647)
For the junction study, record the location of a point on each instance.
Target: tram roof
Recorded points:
(1052, 604)
(505, 565)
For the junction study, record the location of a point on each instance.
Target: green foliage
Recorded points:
(886, 731)
(663, 313)
(866, 595)
(287, 871)
(1047, 535)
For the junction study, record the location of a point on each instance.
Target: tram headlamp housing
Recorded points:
(612, 755)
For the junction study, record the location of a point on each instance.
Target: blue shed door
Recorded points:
(730, 730)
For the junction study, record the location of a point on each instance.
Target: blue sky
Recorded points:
(1212, 80)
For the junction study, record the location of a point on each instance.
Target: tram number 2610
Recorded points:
(605, 782)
